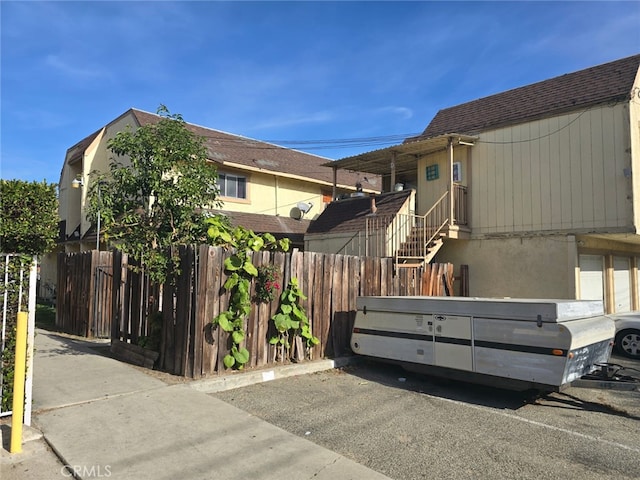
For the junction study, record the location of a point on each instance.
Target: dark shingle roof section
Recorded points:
(610, 82)
(225, 147)
(278, 226)
(76, 152)
(350, 215)
(267, 223)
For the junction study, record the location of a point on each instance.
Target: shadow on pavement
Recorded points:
(395, 376)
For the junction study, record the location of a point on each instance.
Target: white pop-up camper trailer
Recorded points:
(512, 343)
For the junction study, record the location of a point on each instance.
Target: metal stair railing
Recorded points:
(424, 230)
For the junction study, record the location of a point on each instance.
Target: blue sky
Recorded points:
(279, 71)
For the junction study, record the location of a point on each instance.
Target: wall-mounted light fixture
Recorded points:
(77, 182)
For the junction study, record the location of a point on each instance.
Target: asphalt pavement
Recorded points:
(95, 417)
(412, 427)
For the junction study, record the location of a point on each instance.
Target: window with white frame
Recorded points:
(232, 186)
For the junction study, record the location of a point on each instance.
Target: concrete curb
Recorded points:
(244, 379)
(29, 433)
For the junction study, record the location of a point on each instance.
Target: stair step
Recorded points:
(408, 265)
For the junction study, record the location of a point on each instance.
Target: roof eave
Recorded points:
(378, 161)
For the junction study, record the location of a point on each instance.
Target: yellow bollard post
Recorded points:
(18, 384)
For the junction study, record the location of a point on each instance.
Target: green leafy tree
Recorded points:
(28, 217)
(154, 201)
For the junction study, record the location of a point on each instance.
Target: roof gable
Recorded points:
(76, 152)
(609, 82)
(350, 215)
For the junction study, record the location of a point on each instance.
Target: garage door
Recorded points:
(621, 284)
(591, 277)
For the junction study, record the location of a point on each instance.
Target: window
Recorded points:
(457, 171)
(432, 172)
(232, 186)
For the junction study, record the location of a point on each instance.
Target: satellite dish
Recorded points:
(296, 213)
(300, 209)
(304, 207)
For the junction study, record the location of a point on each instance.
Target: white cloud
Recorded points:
(293, 119)
(403, 112)
(75, 69)
(588, 34)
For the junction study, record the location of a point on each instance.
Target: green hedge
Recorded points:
(28, 217)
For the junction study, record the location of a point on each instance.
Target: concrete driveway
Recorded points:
(408, 426)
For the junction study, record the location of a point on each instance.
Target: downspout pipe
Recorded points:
(334, 194)
(275, 193)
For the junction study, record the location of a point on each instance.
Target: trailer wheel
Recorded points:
(628, 343)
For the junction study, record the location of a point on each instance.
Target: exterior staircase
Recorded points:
(414, 240)
(425, 236)
(413, 253)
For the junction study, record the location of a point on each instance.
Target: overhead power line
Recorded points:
(318, 144)
(347, 141)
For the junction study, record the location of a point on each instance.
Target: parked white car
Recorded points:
(627, 341)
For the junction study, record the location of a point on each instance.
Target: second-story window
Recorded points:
(233, 186)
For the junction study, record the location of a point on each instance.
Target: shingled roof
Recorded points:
(76, 152)
(226, 148)
(350, 215)
(260, 223)
(610, 82)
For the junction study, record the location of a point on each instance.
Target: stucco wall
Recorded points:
(536, 267)
(268, 194)
(72, 200)
(350, 243)
(48, 278)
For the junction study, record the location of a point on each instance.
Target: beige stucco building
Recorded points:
(536, 188)
(263, 186)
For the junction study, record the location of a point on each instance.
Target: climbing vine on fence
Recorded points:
(241, 271)
(291, 321)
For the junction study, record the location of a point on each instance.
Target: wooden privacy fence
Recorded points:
(190, 346)
(84, 286)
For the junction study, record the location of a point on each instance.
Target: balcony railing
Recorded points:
(460, 205)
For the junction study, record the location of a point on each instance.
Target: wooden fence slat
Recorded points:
(325, 298)
(167, 347)
(183, 307)
(211, 293)
(339, 315)
(354, 272)
(199, 305)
